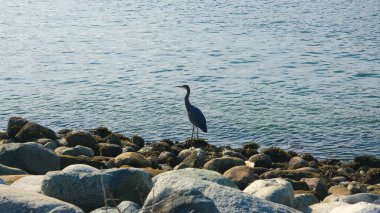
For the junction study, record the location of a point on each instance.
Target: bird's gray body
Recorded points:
(196, 116)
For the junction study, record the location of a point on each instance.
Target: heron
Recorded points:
(196, 116)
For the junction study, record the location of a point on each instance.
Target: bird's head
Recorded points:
(184, 87)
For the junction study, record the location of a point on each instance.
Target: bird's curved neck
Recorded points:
(187, 102)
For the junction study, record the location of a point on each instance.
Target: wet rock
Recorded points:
(372, 176)
(303, 201)
(277, 155)
(18, 200)
(31, 157)
(242, 176)
(275, 190)
(291, 174)
(78, 150)
(261, 160)
(355, 187)
(132, 159)
(32, 131)
(339, 190)
(356, 198)
(50, 145)
(59, 150)
(223, 164)
(370, 161)
(67, 160)
(138, 141)
(337, 207)
(317, 186)
(183, 194)
(231, 153)
(201, 174)
(299, 185)
(184, 154)
(196, 159)
(14, 126)
(82, 138)
(297, 162)
(168, 158)
(113, 139)
(31, 183)
(6, 170)
(109, 150)
(339, 179)
(251, 145)
(123, 207)
(83, 187)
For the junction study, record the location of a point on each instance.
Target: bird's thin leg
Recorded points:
(197, 134)
(192, 134)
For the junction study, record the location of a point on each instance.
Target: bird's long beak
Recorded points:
(179, 86)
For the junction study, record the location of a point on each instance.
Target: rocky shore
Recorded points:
(101, 171)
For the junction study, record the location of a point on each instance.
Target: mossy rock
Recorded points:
(197, 143)
(308, 157)
(291, 174)
(372, 176)
(251, 145)
(160, 146)
(14, 126)
(246, 152)
(351, 164)
(330, 162)
(109, 150)
(33, 131)
(277, 154)
(370, 161)
(101, 131)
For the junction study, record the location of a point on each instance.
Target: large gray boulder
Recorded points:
(339, 207)
(18, 200)
(82, 185)
(200, 174)
(276, 190)
(183, 194)
(31, 183)
(303, 201)
(6, 170)
(124, 207)
(31, 157)
(356, 198)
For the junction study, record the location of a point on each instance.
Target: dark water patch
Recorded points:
(366, 75)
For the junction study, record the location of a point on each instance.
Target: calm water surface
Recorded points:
(302, 75)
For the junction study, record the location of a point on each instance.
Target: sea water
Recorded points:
(301, 75)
